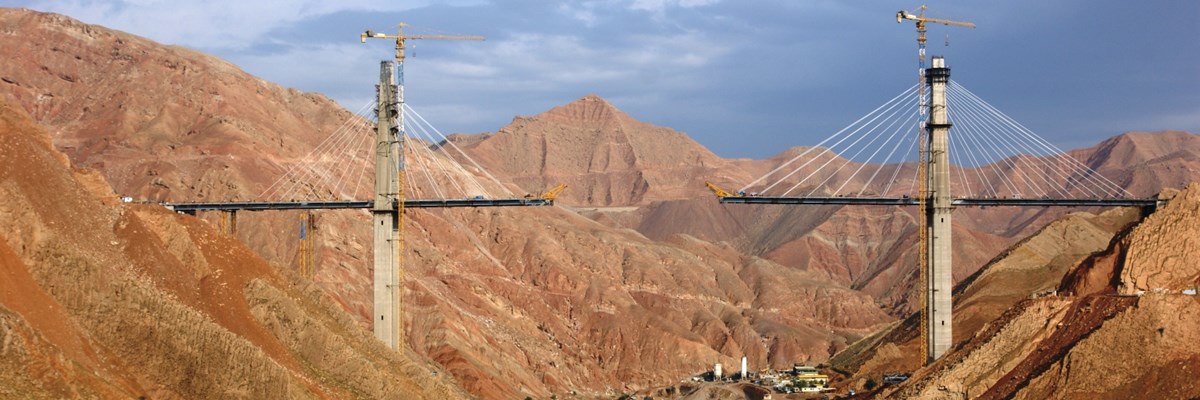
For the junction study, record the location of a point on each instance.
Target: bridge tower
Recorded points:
(938, 208)
(385, 214)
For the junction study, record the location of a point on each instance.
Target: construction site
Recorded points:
(216, 235)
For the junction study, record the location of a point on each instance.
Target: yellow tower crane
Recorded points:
(921, 19)
(391, 120)
(388, 210)
(922, 172)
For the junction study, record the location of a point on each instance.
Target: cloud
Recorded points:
(585, 14)
(590, 12)
(210, 25)
(324, 68)
(660, 5)
(776, 73)
(567, 59)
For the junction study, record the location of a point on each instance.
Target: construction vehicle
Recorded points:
(553, 193)
(717, 190)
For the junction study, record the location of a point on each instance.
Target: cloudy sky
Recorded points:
(744, 78)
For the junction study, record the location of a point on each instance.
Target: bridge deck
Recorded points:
(351, 204)
(911, 201)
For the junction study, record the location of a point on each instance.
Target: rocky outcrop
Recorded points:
(1033, 267)
(1146, 350)
(1162, 250)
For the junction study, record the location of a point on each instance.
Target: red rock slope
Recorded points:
(107, 300)
(167, 123)
(605, 156)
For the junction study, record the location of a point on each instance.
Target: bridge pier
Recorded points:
(228, 223)
(939, 207)
(385, 216)
(306, 251)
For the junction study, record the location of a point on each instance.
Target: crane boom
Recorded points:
(445, 37)
(949, 22)
(921, 19)
(401, 37)
(903, 15)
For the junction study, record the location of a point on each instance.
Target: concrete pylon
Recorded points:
(938, 209)
(384, 215)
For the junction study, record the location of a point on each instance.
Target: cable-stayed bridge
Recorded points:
(902, 154)
(994, 161)
(411, 158)
(331, 177)
(335, 174)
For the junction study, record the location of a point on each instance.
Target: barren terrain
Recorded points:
(637, 278)
(1066, 313)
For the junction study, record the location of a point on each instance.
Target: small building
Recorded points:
(801, 369)
(809, 379)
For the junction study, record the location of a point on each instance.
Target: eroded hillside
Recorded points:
(1071, 312)
(646, 281)
(112, 300)
(866, 248)
(511, 302)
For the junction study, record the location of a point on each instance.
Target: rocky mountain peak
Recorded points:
(590, 110)
(607, 157)
(1131, 148)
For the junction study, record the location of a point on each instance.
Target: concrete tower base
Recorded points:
(939, 332)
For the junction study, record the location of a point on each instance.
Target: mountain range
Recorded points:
(637, 278)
